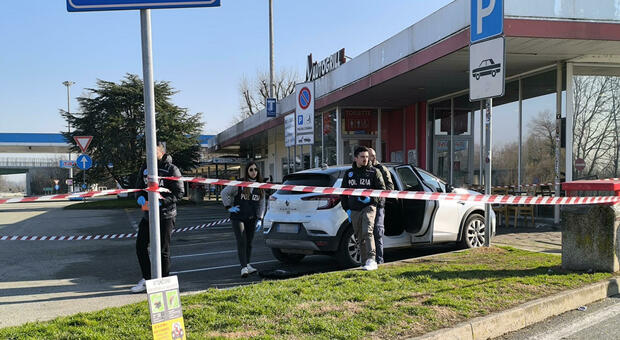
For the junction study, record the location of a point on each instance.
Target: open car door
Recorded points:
(416, 214)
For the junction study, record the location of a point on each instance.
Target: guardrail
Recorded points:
(29, 162)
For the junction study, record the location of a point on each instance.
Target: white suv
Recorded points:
(298, 224)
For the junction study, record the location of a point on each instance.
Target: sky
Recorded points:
(203, 52)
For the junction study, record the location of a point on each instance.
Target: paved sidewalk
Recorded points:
(545, 238)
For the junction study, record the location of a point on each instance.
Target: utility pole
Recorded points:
(68, 84)
(271, 74)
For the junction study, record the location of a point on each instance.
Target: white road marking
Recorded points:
(564, 330)
(204, 254)
(218, 267)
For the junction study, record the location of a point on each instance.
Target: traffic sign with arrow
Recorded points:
(84, 162)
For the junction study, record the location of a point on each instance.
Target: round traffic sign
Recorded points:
(580, 164)
(304, 98)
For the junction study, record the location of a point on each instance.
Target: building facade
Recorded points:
(408, 98)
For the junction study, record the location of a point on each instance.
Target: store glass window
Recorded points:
(440, 114)
(359, 128)
(329, 137)
(317, 148)
(505, 134)
(539, 126)
(596, 122)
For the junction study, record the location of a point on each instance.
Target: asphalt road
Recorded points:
(600, 321)
(40, 280)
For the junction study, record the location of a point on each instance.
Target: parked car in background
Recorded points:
(298, 224)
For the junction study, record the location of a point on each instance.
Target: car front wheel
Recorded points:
(287, 258)
(348, 254)
(473, 231)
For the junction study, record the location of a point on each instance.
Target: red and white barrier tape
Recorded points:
(104, 237)
(535, 185)
(416, 195)
(60, 197)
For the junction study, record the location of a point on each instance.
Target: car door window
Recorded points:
(409, 180)
(436, 185)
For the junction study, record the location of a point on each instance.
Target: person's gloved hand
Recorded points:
(364, 200)
(349, 214)
(234, 209)
(259, 225)
(141, 201)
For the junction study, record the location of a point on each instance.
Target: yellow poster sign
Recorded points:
(165, 307)
(171, 329)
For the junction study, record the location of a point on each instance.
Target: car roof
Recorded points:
(337, 168)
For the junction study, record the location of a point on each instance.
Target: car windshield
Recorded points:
(315, 180)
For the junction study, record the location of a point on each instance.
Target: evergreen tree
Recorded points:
(113, 114)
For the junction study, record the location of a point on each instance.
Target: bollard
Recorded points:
(590, 236)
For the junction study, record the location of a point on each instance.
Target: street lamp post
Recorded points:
(271, 70)
(68, 85)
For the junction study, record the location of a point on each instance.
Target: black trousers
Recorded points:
(142, 246)
(378, 232)
(244, 233)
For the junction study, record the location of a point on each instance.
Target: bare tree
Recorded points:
(595, 128)
(254, 92)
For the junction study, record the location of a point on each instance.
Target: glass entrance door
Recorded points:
(351, 144)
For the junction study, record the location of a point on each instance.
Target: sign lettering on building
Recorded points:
(316, 70)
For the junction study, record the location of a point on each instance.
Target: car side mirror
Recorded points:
(449, 188)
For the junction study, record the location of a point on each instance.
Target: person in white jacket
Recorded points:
(246, 207)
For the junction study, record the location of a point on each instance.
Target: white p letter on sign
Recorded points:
(483, 12)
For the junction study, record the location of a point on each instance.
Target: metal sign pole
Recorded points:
(271, 68)
(558, 133)
(151, 138)
(487, 172)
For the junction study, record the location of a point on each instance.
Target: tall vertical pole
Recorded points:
(271, 71)
(520, 150)
(558, 132)
(570, 102)
(487, 172)
(339, 145)
(68, 85)
(323, 139)
(151, 138)
(481, 169)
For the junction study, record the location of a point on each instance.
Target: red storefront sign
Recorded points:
(360, 121)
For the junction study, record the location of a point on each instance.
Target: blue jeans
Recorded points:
(378, 232)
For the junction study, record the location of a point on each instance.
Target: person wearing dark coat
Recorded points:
(246, 207)
(379, 230)
(167, 215)
(362, 210)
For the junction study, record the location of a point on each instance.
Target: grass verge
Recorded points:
(395, 301)
(121, 203)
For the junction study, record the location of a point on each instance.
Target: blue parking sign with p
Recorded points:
(487, 19)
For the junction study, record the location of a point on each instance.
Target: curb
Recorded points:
(497, 324)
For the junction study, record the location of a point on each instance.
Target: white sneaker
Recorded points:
(140, 287)
(251, 270)
(244, 272)
(370, 265)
